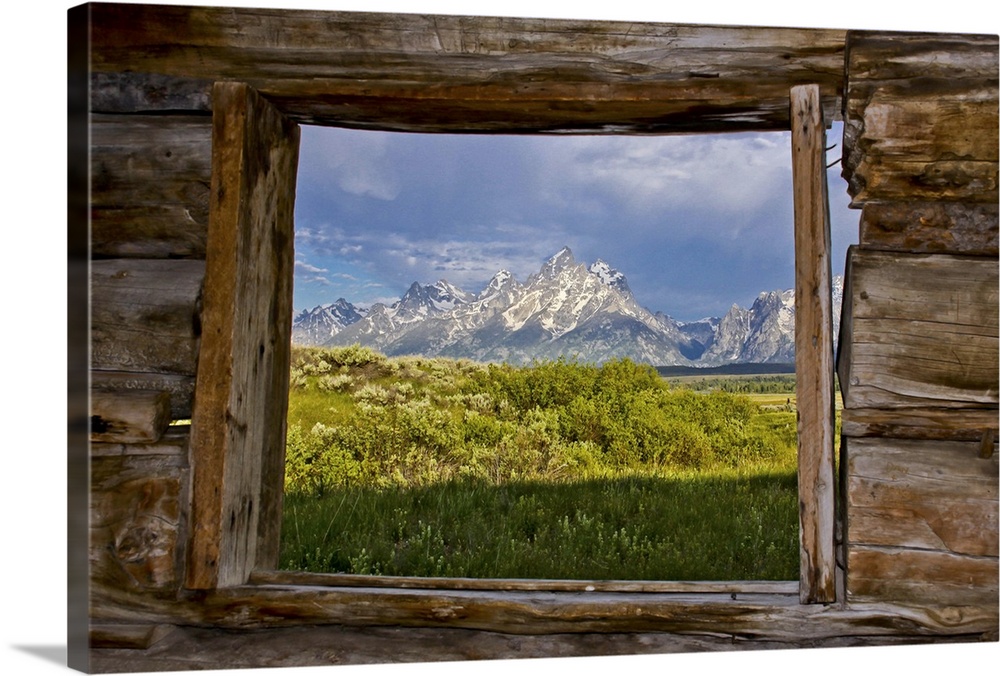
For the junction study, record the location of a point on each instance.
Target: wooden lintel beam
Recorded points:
(408, 72)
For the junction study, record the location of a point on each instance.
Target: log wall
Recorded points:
(919, 336)
(150, 172)
(919, 471)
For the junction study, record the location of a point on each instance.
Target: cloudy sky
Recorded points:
(695, 222)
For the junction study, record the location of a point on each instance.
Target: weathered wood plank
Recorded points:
(137, 515)
(920, 331)
(132, 417)
(921, 577)
(180, 387)
(238, 423)
(740, 588)
(173, 442)
(763, 617)
(987, 444)
(955, 424)
(934, 495)
(813, 348)
(187, 648)
(921, 117)
(931, 227)
(447, 73)
(150, 178)
(126, 636)
(145, 315)
(131, 92)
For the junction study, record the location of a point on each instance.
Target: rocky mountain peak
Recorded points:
(566, 309)
(559, 262)
(503, 279)
(610, 277)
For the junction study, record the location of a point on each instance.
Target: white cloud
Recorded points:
(306, 267)
(315, 279)
(465, 262)
(715, 175)
(357, 163)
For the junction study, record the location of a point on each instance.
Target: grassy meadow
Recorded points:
(559, 470)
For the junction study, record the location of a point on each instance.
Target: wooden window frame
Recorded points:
(238, 472)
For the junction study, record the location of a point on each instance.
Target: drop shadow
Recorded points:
(55, 654)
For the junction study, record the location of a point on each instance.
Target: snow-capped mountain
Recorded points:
(566, 309)
(317, 326)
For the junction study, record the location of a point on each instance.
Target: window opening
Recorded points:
(373, 436)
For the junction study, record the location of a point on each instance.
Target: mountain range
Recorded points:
(566, 309)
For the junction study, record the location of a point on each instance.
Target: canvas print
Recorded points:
(421, 338)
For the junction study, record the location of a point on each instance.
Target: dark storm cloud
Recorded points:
(695, 222)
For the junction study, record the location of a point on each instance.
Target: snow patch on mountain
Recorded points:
(565, 309)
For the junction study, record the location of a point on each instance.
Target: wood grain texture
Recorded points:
(123, 92)
(150, 178)
(133, 417)
(931, 495)
(449, 73)
(180, 387)
(921, 577)
(813, 348)
(955, 424)
(920, 331)
(186, 648)
(238, 423)
(739, 588)
(921, 117)
(931, 227)
(145, 315)
(137, 516)
(761, 617)
(173, 442)
(126, 636)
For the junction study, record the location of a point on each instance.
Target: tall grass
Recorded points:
(730, 525)
(443, 468)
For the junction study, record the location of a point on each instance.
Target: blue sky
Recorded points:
(696, 222)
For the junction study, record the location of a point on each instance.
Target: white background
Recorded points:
(33, 605)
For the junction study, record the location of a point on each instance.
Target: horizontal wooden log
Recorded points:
(173, 442)
(126, 636)
(762, 618)
(132, 417)
(145, 315)
(150, 177)
(447, 73)
(131, 92)
(921, 577)
(931, 227)
(137, 515)
(921, 117)
(738, 588)
(187, 648)
(180, 387)
(919, 423)
(935, 495)
(919, 331)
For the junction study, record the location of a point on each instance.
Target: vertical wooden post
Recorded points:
(241, 391)
(813, 349)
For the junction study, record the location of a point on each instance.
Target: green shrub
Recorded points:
(549, 421)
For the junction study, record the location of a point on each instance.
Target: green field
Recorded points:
(435, 467)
